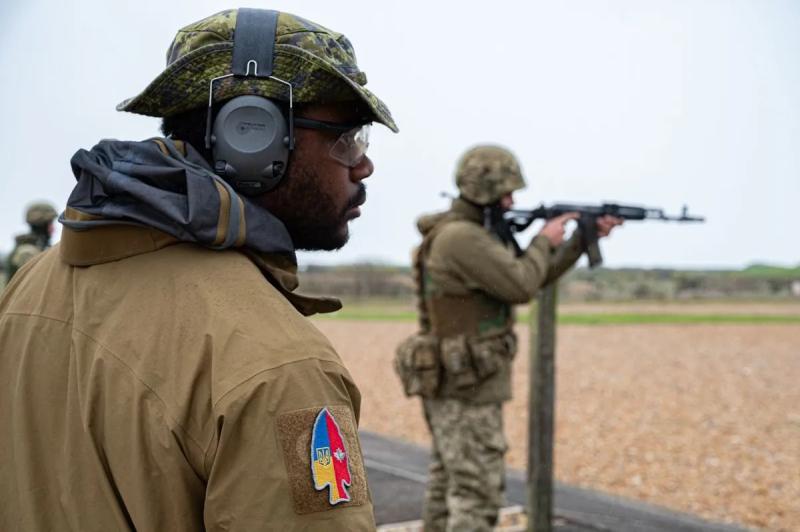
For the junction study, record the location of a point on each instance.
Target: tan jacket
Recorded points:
(477, 278)
(465, 257)
(155, 385)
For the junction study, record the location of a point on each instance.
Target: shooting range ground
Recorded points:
(700, 416)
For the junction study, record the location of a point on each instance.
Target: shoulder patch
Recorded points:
(323, 458)
(330, 466)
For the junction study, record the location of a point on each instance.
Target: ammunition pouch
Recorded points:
(457, 362)
(489, 353)
(470, 361)
(417, 363)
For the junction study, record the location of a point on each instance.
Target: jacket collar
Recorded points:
(281, 271)
(466, 210)
(114, 242)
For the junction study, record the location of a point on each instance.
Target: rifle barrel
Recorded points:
(522, 218)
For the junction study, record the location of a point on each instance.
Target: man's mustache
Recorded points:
(358, 198)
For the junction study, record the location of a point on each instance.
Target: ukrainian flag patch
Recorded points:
(324, 466)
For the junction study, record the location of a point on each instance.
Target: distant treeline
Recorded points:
(358, 281)
(581, 284)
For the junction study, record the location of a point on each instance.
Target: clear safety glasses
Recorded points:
(351, 146)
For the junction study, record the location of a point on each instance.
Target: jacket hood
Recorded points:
(166, 185)
(137, 197)
(427, 222)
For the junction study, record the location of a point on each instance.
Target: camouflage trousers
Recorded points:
(466, 477)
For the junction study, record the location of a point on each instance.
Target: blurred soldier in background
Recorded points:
(468, 277)
(158, 371)
(40, 218)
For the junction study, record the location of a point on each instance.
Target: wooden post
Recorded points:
(541, 410)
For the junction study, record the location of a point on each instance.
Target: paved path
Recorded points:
(398, 471)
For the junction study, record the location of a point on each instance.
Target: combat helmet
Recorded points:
(486, 173)
(40, 214)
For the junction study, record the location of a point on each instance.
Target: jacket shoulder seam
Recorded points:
(35, 315)
(121, 362)
(133, 374)
(238, 385)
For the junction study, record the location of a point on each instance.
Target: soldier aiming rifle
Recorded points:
(470, 272)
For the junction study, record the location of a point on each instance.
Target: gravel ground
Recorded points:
(703, 418)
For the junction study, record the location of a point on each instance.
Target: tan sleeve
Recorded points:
(259, 463)
(484, 263)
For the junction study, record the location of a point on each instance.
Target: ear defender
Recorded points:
(251, 138)
(250, 144)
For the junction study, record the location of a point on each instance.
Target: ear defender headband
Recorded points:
(251, 138)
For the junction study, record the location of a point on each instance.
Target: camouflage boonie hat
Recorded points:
(40, 214)
(319, 63)
(487, 173)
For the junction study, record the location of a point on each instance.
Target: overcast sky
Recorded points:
(658, 103)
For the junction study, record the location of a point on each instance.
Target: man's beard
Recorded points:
(310, 213)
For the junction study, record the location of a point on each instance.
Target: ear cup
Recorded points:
(249, 143)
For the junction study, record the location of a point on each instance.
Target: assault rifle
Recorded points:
(519, 220)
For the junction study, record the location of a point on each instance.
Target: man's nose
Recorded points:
(362, 170)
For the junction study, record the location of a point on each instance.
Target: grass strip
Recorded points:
(605, 318)
(644, 319)
(367, 315)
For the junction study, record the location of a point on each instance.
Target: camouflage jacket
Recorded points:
(26, 246)
(467, 281)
